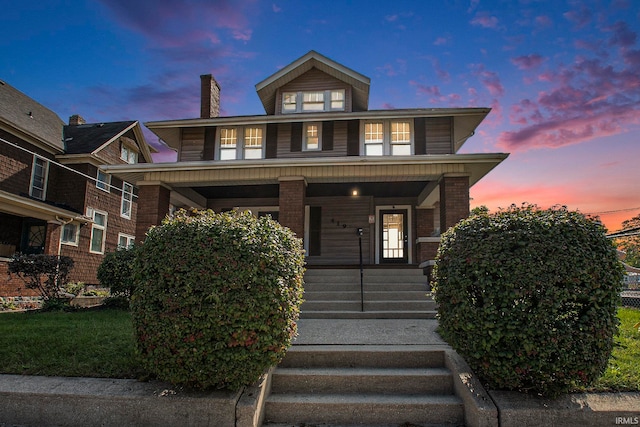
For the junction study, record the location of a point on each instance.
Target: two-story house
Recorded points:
(54, 199)
(323, 164)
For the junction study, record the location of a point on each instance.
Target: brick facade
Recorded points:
(425, 228)
(454, 200)
(153, 206)
(292, 198)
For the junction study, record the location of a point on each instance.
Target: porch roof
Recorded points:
(417, 171)
(14, 204)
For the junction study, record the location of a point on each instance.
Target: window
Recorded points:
(228, 143)
(253, 143)
(313, 101)
(38, 188)
(70, 233)
(128, 154)
(125, 240)
(103, 180)
(388, 138)
(98, 232)
(251, 147)
(312, 136)
(127, 200)
(400, 139)
(289, 104)
(373, 139)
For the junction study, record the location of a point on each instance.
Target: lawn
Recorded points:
(87, 343)
(99, 343)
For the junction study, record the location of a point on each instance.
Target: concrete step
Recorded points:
(355, 287)
(368, 295)
(363, 409)
(405, 381)
(363, 356)
(356, 305)
(422, 314)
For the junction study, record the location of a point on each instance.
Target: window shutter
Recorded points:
(327, 136)
(439, 135)
(420, 135)
(296, 137)
(353, 138)
(209, 143)
(272, 141)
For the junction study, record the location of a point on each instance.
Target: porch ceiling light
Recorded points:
(355, 192)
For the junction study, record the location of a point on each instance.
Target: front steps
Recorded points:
(363, 385)
(391, 293)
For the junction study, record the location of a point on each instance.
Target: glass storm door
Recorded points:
(394, 239)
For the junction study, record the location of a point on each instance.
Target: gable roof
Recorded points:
(89, 138)
(268, 88)
(30, 117)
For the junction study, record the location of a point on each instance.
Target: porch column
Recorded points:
(454, 200)
(292, 195)
(427, 243)
(52, 238)
(153, 206)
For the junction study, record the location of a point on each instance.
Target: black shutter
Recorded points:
(327, 136)
(296, 137)
(271, 150)
(353, 138)
(419, 135)
(209, 143)
(315, 230)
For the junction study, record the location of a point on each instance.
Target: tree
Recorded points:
(630, 244)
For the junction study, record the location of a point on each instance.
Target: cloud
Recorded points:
(622, 35)
(484, 20)
(489, 79)
(391, 70)
(276, 8)
(527, 62)
(441, 41)
(580, 16)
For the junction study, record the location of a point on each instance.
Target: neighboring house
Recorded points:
(323, 164)
(54, 199)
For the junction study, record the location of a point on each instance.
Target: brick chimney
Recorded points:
(76, 120)
(209, 97)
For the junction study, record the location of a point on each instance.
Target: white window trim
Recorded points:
(240, 142)
(122, 200)
(304, 136)
(130, 240)
(299, 104)
(76, 237)
(107, 183)
(128, 149)
(46, 177)
(386, 140)
(94, 226)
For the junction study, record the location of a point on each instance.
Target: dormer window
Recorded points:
(313, 101)
(128, 154)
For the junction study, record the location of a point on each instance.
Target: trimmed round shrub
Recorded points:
(529, 297)
(116, 271)
(217, 298)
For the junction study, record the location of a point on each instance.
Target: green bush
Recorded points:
(529, 297)
(216, 298)
(116, 271)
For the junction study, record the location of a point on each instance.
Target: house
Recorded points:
(323, 164)
(54, 199)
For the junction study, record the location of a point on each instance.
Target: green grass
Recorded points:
(623, 372)
(85, 343)
(99, 343)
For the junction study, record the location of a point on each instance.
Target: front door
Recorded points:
(394, 238)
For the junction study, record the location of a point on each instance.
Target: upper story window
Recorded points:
(313, 101)
(98, 232)
(39, 173)
(127, 200)
(312, 136)
(251, 146)
(388, 138)
(128, 154)
(125, 241)
(103, 180)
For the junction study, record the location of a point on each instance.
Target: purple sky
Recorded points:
(562, 77)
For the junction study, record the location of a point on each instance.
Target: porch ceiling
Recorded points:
(374, 189)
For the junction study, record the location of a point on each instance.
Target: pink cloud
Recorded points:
(276, 8)
(489, 79)
(580, 16)
(622, 35)
(440, 41)
(527, 62)
(543, 21)
(485, 20)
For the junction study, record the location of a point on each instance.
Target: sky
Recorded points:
(562, 77)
